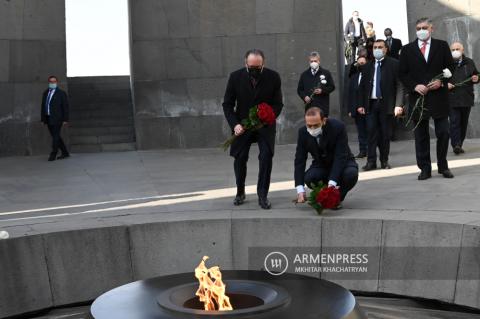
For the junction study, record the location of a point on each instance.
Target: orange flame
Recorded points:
(211, 290)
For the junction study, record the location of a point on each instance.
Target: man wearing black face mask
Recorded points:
(394, 45)
(325, 139)
(247, 88)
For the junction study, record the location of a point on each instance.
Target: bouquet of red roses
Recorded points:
(258, 117)
(323, 197)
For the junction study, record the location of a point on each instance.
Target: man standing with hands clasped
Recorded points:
(246, 88)
(421, 62)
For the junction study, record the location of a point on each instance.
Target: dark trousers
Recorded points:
(458, 125)
(265, 159)
(349, 177)
(422, 144)
(361, 123)
(379, 126)
(57, 142)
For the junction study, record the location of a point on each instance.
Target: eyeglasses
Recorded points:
(422, 28)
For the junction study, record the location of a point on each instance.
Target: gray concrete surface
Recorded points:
(157, 212)
(32, 47)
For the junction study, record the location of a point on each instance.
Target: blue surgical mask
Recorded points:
(378, 54)
(52, 86)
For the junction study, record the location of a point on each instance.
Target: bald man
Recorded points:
(461, 97)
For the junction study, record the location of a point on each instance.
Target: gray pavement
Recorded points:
(118, 188)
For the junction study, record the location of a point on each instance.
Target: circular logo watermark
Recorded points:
(276, 263)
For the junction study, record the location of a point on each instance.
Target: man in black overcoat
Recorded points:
(246, 88)
(54, 114)
(420, 62)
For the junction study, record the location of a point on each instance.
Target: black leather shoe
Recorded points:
(424, 175)
(239, 199)
(446, 173)
(385, 165)
(361, 155)
(370, 166)
(52, 157)
(63, 156)
(457, 150)
(264, 203)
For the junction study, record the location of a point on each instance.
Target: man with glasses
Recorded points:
(325, 139)
(422, 61)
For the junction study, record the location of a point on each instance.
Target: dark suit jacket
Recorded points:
(391, 87)
(394, 49)
(59, 110)
(332, 153)
(240, 96)
(463, 96)
(353, 93)
(415, 70)
(308, 82)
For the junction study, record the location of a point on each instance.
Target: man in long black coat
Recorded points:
(394, 45)
(247, 88)
(333, 164)
(420, 62)
(316, 84)
(55, 113)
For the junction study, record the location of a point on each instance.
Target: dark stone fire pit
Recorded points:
(253, 294)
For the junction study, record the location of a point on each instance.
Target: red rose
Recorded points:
(265, 114)
(328, 197)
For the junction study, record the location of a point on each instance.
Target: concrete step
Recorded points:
(106, 122)
(95, 148)
(102, 139)
(96, 131)
(100, 113)
(95, 105)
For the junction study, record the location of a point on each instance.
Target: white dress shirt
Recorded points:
(427, 49)
(357, 28)
(50, 94)
(374, 89)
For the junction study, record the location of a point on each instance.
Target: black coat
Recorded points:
(240, 96)
(59, 110)
(332, 153)
(350, 28)
(353, 94)
(391, 87)
(415, 70)
(463, 96)
(394, 48)
(307, 84)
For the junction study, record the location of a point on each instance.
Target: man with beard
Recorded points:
(246, 88)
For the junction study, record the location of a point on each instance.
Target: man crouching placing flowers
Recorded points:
(333, 172)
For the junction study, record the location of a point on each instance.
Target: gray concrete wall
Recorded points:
(32, 46)
(183, 51)
(454, 20)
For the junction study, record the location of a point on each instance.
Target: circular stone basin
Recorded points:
(257, 294)
(246, 297)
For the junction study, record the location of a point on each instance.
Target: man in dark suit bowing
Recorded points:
(420, 62)
(325, 139)
(394, 45)
(54, 113)
(246, 88)
(380, 98)
(316, 84)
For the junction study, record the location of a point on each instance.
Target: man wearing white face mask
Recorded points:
(461, 95)
(380, 99)
(316, 84)
(420, 62)
(325, 139)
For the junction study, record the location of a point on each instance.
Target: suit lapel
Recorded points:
(419, 54)
(433, 50)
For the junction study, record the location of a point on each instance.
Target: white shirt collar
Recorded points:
(420, 42)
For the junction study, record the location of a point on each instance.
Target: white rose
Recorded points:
(4, 234)
(322, 77)
(447, 74)
(323, 82)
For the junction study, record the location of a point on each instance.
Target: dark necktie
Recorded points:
(378, 76)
